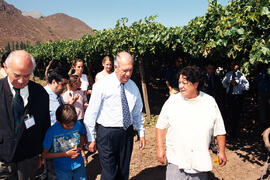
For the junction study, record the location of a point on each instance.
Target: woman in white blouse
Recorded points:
(107, 67)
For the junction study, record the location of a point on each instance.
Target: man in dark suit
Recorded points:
(24, 118)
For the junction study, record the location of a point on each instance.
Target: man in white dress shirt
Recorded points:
(115, 101)
(235, 83)
(189, 119)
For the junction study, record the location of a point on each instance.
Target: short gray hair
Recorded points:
(10, 56)
(118, 58)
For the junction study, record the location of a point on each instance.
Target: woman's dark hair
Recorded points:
(66, 114)
(193, 74)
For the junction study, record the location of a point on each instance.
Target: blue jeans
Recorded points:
(76, 174)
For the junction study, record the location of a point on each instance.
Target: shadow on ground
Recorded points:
(249, 145)
(93, 168)
(157, 173)
(249, 141)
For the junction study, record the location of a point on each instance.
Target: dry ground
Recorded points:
(244, 162)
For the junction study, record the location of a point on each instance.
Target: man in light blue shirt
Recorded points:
(107, 109)
(235, 83)
(57, 82)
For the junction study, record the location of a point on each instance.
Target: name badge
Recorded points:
(29, 121)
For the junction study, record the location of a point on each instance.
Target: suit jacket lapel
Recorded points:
(8, 104)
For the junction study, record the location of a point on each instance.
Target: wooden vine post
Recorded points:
(144, 89)
(47, 69)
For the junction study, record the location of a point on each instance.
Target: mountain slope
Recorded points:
(16, 27)
(65, 26)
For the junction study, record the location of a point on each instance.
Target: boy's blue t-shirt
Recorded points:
(58, 139)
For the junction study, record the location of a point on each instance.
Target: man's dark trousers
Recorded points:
(114, 146)
(235, 103)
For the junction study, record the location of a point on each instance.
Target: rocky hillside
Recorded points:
(18, 28)
(65, 26)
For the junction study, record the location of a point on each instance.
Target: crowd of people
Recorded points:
(56, 124)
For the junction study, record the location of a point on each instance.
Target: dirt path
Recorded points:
(244, 162)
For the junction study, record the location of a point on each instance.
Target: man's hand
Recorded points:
(92, 146)
(161, 155)
(142, 143)
(222, 159)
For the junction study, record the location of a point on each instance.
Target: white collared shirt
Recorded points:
(191, 124)
(240, 79)
(105, 106)
(24, 92)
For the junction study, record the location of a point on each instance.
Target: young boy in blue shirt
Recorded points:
(63, 142)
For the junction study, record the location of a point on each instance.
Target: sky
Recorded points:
(103, 14)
